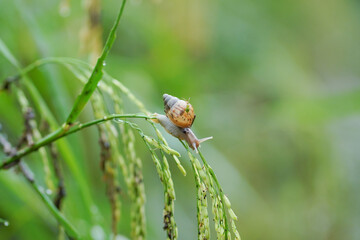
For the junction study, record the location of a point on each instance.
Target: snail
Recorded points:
(179, 113)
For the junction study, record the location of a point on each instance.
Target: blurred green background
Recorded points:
(277, 83)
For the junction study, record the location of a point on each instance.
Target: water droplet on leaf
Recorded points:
(48, 191)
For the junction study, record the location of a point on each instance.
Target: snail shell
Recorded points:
(180, 112)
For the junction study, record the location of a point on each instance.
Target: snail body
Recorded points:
(182, 133)
(178, 120)
(180, 112)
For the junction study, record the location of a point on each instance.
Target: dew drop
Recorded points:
(104, 64)
(6, 223)
(48, 191)
(118, 120)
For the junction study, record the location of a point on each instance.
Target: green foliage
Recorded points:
(275, 83)
(111, 158)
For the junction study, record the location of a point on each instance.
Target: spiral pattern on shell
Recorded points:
(180, 112)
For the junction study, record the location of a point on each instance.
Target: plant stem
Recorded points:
(96, 74)
(54, 60)
(59, 133)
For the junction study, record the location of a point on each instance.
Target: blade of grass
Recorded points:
(97, 73)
